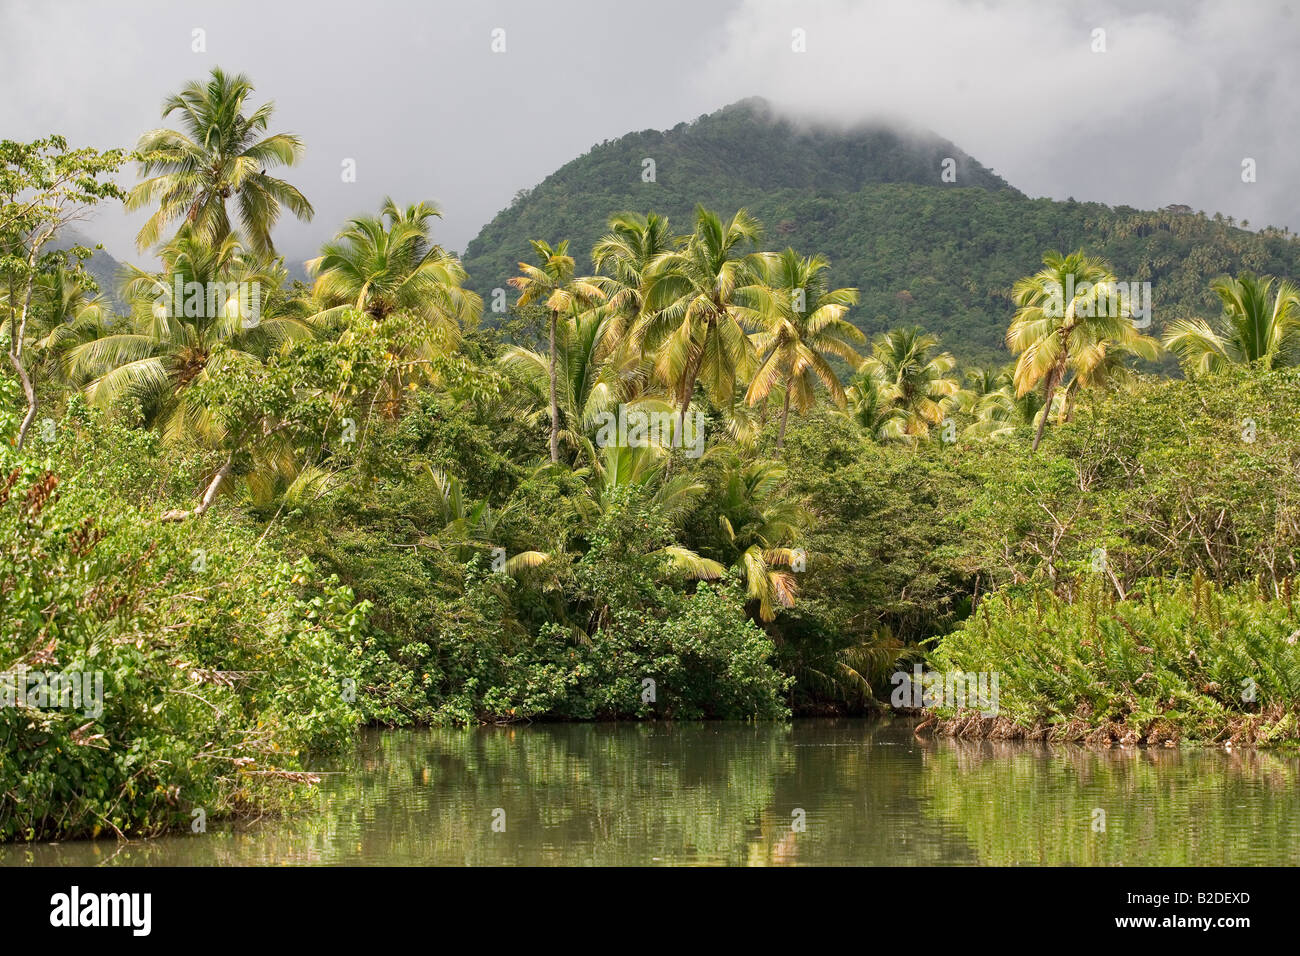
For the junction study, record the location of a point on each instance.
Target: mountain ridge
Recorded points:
(922, 251)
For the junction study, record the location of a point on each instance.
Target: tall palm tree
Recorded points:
(219, 154)
(592, 381)
(165, 350)
(625, 254)
(701, 298)
(1063, 310)
(1254, 328)
(388, 263)
(169, 349)
(552, 283)
(804, 326)
(915, 379)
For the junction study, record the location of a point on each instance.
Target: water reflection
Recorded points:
(865, 792)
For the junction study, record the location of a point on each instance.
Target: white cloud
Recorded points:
(1181, 94)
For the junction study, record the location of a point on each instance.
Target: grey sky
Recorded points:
(414, 93)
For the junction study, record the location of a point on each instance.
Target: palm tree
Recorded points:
(592, 382)
(990, 397)
(170, 349)
(552, 282)
(1253, 329)
(626, 252)
(759, 528)
(700, 300)
(866, 405)
(166, 350)
(219, 154)
(980, 381)
(914, 380)
(388, 263)
(804, 326)
(1064, 310)
(621, 469)
(67, 313)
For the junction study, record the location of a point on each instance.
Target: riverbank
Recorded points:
(1272, 729)
(1170, 662)
(813, 792)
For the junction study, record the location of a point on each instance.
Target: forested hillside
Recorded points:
(921, 251)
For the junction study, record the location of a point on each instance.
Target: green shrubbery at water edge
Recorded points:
(221, 659)
(228, 645)
(1172, 661)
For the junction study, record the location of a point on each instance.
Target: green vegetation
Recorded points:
(1171, 661)
(682, 486)
(943, 256)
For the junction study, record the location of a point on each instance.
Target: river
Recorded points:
(830, 792)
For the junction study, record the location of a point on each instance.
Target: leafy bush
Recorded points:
(1174, 661)
(222, 661)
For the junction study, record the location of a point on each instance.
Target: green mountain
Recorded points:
(922, 251)
(106, 270)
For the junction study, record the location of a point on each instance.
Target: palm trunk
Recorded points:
(555, 405)
(688, 383)
(785, 415)
(209, 495)
(1071, 396)
(18, 332)
(1047, 408)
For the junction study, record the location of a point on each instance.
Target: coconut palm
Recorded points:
(621, 469)
(552, 283)
(624, 254)
(980, 381)
(803, 328)
(759, 528)
(67, 312)
(388, 263)
(915, 380)
(1254, 328)
(591, 382)
(1068, 307)
(173, 344)
(990, 397)
(866, 405)
(701, 298)
(220, 153)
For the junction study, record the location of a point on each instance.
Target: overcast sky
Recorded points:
(413, 92)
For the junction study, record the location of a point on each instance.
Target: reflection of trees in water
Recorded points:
(724, 793)
(1024, 804)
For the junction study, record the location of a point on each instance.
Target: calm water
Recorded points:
(867, 792)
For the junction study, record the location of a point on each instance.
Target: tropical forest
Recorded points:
(774, 427)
